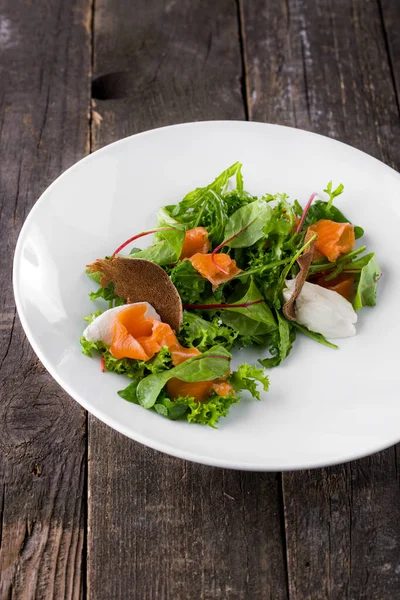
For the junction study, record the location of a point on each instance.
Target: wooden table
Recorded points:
(84, 511)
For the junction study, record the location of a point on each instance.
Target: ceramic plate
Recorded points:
(324, 406)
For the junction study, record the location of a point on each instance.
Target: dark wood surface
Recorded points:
(85, 512)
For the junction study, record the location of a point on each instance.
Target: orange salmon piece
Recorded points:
(333, 238)
(342, 284)
(204, 264)
(195, 242)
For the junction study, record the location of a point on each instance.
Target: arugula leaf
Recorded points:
(246, 378)
(281, 342)
(361, 262)
(194, 199)
(245, 227)
(367, 284)
(317, 337)
(210, 206)
(212, 364)
(196, 331)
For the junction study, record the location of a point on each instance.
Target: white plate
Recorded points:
(324, 406)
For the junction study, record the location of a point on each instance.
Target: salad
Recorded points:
(226, 270)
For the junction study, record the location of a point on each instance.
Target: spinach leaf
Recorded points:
(245, 227)
(169, 408)
(212, 364)
(244, 325)
(261, 313)
(129, 393)
(166, 250)
(367, 284)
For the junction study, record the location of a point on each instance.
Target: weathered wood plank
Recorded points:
(44, 99)
(159, 527)
(390, 19)
(324, 66)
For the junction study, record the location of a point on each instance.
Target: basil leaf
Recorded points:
(246, 225)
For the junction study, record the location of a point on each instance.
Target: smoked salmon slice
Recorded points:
(205, 265)
(333, 238)
(195, 242)
(342, 284)
(139, 337)
(199, 390)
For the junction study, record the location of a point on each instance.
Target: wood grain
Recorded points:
(44, 96)
(325, 67)
(161, 528)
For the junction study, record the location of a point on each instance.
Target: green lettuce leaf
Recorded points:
(246, 377)
(202, 334)
(134, 369)
(207, 413)
(191, 286)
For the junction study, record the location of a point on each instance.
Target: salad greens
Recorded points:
(265, 238)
